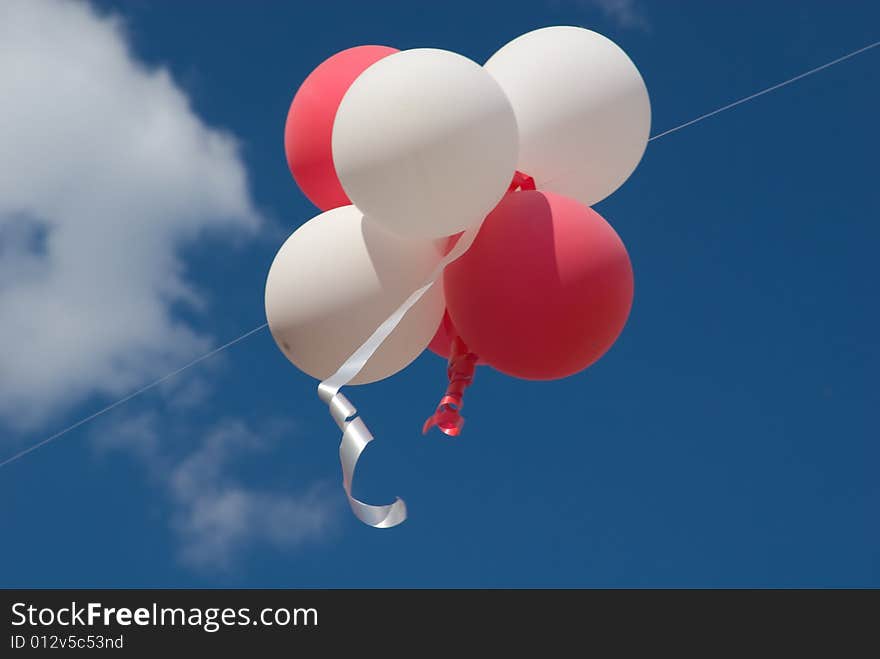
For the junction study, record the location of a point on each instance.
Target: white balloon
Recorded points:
(581, 106)
(335, 280)
(425, 142)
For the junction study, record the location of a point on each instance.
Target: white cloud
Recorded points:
(218, 517)
(214, 514)
(138, 435)
(106, 173)
(626, 14)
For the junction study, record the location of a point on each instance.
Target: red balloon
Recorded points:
(545, 289)
(309, 127)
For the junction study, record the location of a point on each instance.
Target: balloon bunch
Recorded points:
(429, 166)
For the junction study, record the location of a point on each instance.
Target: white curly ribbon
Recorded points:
(355, 434)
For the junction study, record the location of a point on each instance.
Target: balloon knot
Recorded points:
(460, 372)
(522, 182)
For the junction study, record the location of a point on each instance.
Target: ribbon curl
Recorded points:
(447, 417)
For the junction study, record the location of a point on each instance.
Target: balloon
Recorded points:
(309, 124)
(335, 280)
(425, 143)
(581, 106)
(544, 290)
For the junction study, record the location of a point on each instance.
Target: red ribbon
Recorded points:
(462, 363)
(521, 181)
(460, 371)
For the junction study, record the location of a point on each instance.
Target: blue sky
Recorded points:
(728, 439)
